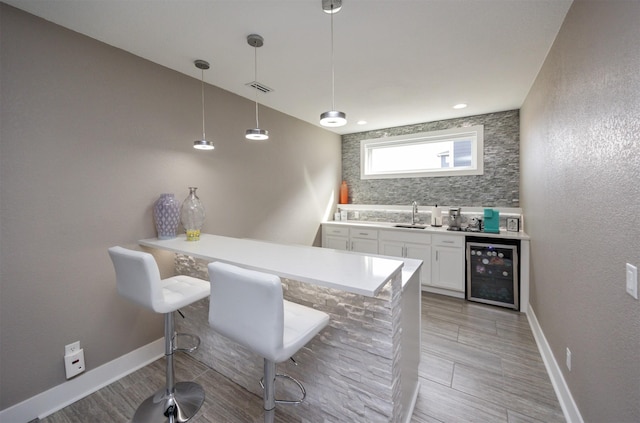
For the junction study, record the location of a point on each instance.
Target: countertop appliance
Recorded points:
(492, 221)
(493, 271)
(455, 219)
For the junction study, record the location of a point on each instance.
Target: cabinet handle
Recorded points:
(363, 233)
(351, 245)
(436, 255)
(346, 245)
(447, 242)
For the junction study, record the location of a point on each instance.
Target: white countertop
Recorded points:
(429, 229)
(355, 273)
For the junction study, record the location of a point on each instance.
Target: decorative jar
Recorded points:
(166, 213)
(192, 215)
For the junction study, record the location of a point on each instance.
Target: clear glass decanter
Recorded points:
(192, 215)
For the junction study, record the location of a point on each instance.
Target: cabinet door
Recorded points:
(421, 252)
(448, 268)
(336, 242)
(392, 248)
(367, 246)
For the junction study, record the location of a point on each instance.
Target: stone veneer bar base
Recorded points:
(351, 370)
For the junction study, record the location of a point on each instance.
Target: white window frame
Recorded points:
(475, 133)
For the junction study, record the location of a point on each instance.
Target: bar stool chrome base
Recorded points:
(176, 402)
(178, 407)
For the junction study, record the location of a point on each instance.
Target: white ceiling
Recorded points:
(397, 62)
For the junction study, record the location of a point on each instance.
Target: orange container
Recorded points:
(344, 193)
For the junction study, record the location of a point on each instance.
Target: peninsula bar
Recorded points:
(363, 367)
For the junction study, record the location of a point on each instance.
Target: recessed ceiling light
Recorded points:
(362, 122)
(460, 106)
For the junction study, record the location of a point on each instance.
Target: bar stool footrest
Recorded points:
(186, 342)
(297, 382)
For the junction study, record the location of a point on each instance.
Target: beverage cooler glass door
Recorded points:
(492, 274)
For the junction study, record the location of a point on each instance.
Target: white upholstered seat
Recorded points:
(248, 307)
(138, 280)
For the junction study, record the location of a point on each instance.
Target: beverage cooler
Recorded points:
(493, 271)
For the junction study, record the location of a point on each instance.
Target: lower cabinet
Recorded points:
(340, 237)
(336, 237)
(447, 262)
(442, 255)
(363, 240)
(409, 245)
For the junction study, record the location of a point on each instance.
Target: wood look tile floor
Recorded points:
(479, 364)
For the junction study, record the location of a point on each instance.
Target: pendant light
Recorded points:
(333, 117)
(202, 144)
(256, 133)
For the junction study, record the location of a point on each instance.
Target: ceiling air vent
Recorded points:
(258, 86)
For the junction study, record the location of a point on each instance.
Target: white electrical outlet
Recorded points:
(74, 347)
(73, 359)
(632, 280)
(569, 359)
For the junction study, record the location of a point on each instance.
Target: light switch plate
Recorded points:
(632, 280)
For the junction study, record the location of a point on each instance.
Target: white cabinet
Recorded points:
(340, 237)
(447, 262)
(363, 240)
(442, 255)
(336, 237)
(415, 245)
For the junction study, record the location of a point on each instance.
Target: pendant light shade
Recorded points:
(255, 41)
(332, 118)
(257, 134)
(202, 144)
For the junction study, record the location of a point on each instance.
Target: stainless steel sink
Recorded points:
(409, 226)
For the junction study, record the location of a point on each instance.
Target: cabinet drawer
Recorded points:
(336, 230)
(406, 236)
(448, 240)
(364, 233)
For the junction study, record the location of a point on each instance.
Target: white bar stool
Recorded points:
(248, 307)
(138, 279)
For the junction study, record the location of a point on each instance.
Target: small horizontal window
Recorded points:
(451, 152)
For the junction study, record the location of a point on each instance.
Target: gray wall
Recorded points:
(90, 137)
(580, 149)
(497, 187)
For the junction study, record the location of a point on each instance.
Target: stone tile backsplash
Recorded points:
(424, 216)
(497, 187)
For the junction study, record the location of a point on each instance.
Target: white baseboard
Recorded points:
(56, 398)
(412, 405)
(569, 407)
(447, 292)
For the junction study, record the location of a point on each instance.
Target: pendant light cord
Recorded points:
(333, 77)
(202, 88)
(255, 78)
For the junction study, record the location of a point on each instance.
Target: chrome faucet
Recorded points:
(414, 212)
